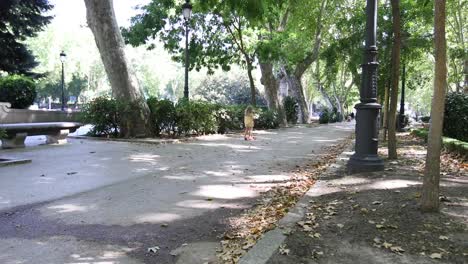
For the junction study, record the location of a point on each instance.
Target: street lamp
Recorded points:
(187, 12)
(365, 157)
(63, 57)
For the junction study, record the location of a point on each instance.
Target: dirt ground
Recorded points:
(375, 217)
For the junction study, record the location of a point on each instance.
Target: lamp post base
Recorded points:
(364, 163)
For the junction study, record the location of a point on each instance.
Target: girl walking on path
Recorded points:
(249, 123)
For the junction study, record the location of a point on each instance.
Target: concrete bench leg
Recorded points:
(58, 138)
(16, 141)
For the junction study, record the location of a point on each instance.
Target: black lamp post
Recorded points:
(187, 12)
(63, 57)
(365, 157)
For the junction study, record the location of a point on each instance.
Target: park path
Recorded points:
(107, 202)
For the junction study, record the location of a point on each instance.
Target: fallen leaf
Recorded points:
(387, 245)
(153, 249)
(283, 250)
(398, 250)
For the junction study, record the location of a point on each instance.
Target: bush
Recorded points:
(456, 116)
(324, 117)
(163, 116)
(105, 114)
(17, 90)
(449, 144)
(230, 117)
(195, 117)
(425, 119)
(335, 116)
(3, 133)
(267, 119)
(291, 109)
(185, 118)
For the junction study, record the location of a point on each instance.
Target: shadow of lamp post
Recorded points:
(63, 57)
(365, 157)
(187, 12)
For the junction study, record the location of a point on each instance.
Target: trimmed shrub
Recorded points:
(3, 133)
(324, 117)
(105, 114)
(335, 116)
(185, 118)
(425, 119)
(291, 109)
(456, 116)
(230, 117)
(450, 144)
(195, 117)
(267, 119)
(163, 115)
(17, 90)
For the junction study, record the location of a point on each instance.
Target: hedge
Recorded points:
(17, 90)
(183, 118)
(450, 144)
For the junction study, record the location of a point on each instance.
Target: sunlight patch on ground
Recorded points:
(264, 132)
(4, 201)
(70, 208)
(350, 180)
(233, 146)
(150, 158)
(45, 180)
(185, 177)
(213, 137)
(156, 218)
(392, 184)
(204, 204)
(268, 178)
(225, 192)
(217, 173)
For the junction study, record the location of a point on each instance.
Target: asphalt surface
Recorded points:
(108, 202)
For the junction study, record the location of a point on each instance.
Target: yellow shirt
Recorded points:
(249, 120)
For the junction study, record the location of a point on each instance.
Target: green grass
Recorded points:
(451, 144)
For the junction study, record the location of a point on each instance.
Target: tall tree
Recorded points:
(18, 21)
(101, 19)
(430, 193)
(395, 76)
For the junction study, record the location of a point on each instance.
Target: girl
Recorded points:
(248, 122)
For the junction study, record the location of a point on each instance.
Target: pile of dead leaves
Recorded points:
(273, 205)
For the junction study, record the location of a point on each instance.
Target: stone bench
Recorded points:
(56, 132)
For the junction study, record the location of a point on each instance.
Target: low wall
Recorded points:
(11, 116)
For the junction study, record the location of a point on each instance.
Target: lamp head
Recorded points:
(63, 56)
(187, 9)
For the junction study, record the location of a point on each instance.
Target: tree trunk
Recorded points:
(385, 111)
(430, 192)
(101, 19)
(271, 85)
(395, 75)
(296, 87)
(465, 72)
(253, 93)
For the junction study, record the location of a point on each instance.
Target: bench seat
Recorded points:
(56, 132)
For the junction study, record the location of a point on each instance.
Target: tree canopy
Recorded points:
(20, 20)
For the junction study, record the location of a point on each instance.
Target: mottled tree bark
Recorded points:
(430, 189)
(395, 75)
(102, 22)
(271, 84)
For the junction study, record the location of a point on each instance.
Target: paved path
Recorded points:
(107, 202)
